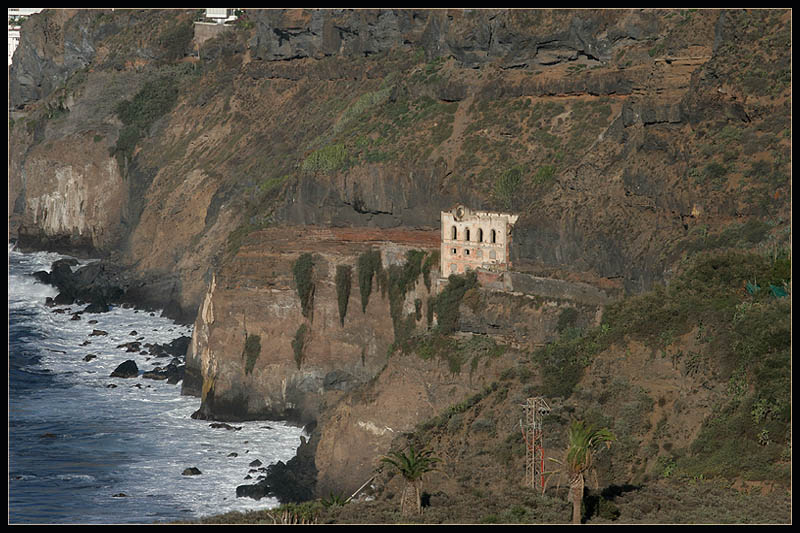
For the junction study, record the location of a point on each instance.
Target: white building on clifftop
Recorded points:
(220, 15)
(475, 239)
(15, 16)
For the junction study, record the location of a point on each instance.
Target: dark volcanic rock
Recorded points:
(98, 307)
(155, 374)
(131, 346)
(294, 481)
(103, 283)
(63, 298)
(42, 276)
(176, 348)
(172, 373)
(193, 471)
(128, 369)
(255, 491)
(223, 425)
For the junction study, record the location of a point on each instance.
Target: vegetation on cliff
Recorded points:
(303, 271)
(413, 465)
(344, 282)
(250, 352)
(369, 266)
(740, 339)
(649, 146)
(299, 342)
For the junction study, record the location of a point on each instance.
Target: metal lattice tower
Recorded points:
(535, 409)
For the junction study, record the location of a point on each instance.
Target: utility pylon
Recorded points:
(532, 432)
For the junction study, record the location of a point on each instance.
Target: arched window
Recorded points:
(494, 236)
(454, 233)
(480, 234)
(466, 234)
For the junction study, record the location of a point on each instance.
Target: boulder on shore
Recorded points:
(255, 491)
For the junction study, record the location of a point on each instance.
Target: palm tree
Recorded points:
(412, 466)
(583, 443)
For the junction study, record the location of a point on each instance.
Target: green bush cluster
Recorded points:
(402, 279)
(303, 269)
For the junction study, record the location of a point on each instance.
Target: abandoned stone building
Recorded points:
(475, 239)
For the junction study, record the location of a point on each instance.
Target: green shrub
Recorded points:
(507, 187)
(544, 175)
(251, 351)
(567, 319)
(369, 265)
(714, 172)
(402, 279)
(561, 368)
(749, 345)
(430, 261)
(299, 342)
(447, 302)
(303, 271)
(343, 284)
(330, 158)
(363, 103)
(155, 99)
(176, 38)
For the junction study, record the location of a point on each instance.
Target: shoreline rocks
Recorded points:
(101, 284)
(126, 369)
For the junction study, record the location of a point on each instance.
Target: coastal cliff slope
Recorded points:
(212, 163)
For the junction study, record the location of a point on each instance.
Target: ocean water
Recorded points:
(82, 452)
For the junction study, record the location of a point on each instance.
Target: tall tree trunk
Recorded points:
(576, 495)
(409, 492)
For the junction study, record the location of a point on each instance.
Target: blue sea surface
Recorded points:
(86, 448)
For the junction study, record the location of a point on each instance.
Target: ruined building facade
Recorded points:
(475, 239)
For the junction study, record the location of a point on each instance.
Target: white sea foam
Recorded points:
(147, 422)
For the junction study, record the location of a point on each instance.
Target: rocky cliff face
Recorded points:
(626, 140)
(256, 354)
(594, 126)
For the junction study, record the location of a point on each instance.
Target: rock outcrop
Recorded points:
(298, 361)
(202, 169)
